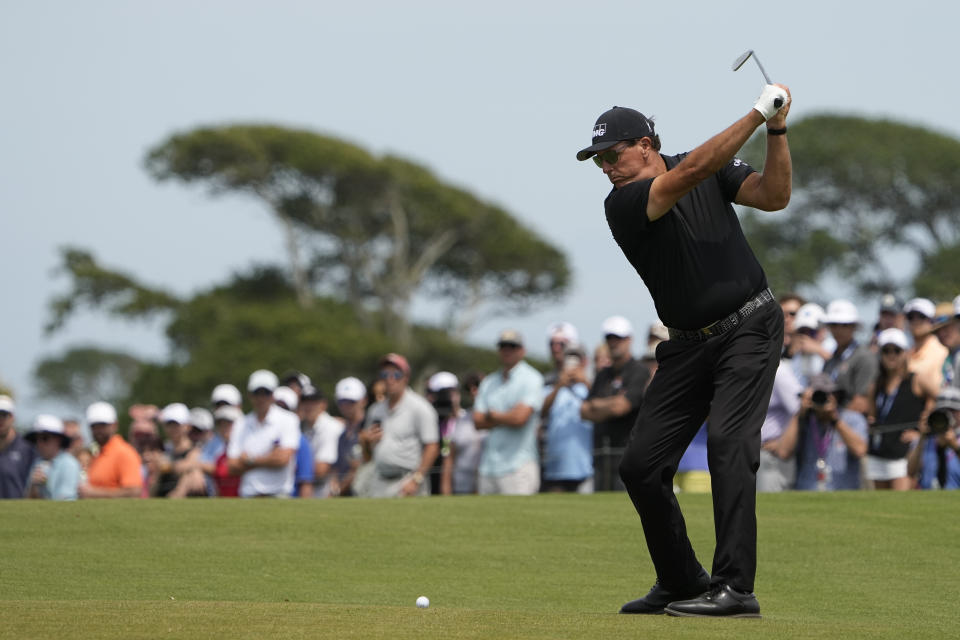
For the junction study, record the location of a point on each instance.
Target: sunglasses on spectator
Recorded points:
(508, 345)
(262, 391)
(43, 437)
(610, 156)
(913, 315)
(4, 414)
(391, 375)
(558, 343)
(887, 350)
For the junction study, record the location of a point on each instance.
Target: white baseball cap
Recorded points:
(923, 306)
(201, 419)
(350, 389)
(809, 316)
(101, 413)
(262, 379)
(842, 312)
(442, 380)
(892, 336)
(617, 326)
(228, 413)
(659, 331)
(175, 412)
(6, 404)
(564, 331)
(287, 396)
(226, 393)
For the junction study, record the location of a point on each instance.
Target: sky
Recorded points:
(495, 97)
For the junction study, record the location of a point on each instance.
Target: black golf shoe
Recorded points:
(721, 601)
(659, 596)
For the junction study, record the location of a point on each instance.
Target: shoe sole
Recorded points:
(680, 614)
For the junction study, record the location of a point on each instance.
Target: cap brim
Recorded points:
(585, 154)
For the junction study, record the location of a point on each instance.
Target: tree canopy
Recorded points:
(865, 190)
(224, 333)
(372, 231)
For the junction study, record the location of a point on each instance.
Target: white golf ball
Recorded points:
(423, 602)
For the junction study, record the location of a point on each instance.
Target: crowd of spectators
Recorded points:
(853, 407)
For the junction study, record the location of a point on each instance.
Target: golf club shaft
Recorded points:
(762, 70)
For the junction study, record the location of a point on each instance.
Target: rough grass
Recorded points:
(847, 565)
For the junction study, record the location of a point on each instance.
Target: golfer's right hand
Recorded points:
(767, 102)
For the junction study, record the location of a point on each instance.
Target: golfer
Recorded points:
(672, 217)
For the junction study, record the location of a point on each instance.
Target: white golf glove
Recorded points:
(767, 103)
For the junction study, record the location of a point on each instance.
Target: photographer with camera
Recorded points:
(936, 458)
(568, 438)
(829, 442)
(460, 442)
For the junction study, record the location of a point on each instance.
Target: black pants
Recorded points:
(728, 378)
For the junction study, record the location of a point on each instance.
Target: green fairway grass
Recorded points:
(842, 565)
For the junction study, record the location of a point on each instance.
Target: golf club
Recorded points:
(746, 55)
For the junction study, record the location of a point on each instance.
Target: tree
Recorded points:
(372, 231)
(864, 190)
(84, 375)
(222, 334)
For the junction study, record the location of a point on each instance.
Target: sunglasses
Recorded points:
(43, 437)
(891, 350)
(913, 315)
(391, 375)
(610, 156)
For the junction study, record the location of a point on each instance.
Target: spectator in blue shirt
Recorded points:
(56, 473)
(568, 438)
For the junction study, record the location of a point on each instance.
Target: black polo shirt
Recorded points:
(695, 259)
(629, 380)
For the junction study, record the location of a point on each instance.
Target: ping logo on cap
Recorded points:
(599, 129)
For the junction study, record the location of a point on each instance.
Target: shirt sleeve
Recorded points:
(130, 470)
(863, 372)
(481, 405)
(326, 443)
(626, 210)
(429, 423)
(533, 392)
(237, 433)
(635, 383)
(788, 388)
(732, 176)
(290, 433)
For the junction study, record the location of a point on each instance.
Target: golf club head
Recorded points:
(742, 58)
(746, 55)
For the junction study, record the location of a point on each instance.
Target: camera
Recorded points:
(443, 403)
(940, 421)
(819, 398)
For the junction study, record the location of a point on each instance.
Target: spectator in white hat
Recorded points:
(16, 454)
(947, 330)
(179, 467)
(351, 398)
(811, 345)
(225, 395)
(115, 472)
(898, 400)
(323, 432)
(568, 438)
(614, 401)
(560, 336)
(890, 316)
(56, 473)
(852, 365)
(263, 446)
(928, 355)
(460, 442)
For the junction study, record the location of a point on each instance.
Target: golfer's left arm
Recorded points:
(770, 190)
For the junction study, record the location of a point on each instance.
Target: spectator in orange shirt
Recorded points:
(115, 472)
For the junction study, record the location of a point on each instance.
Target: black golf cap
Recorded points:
(615, 125)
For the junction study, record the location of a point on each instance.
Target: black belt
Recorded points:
(722, 326)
